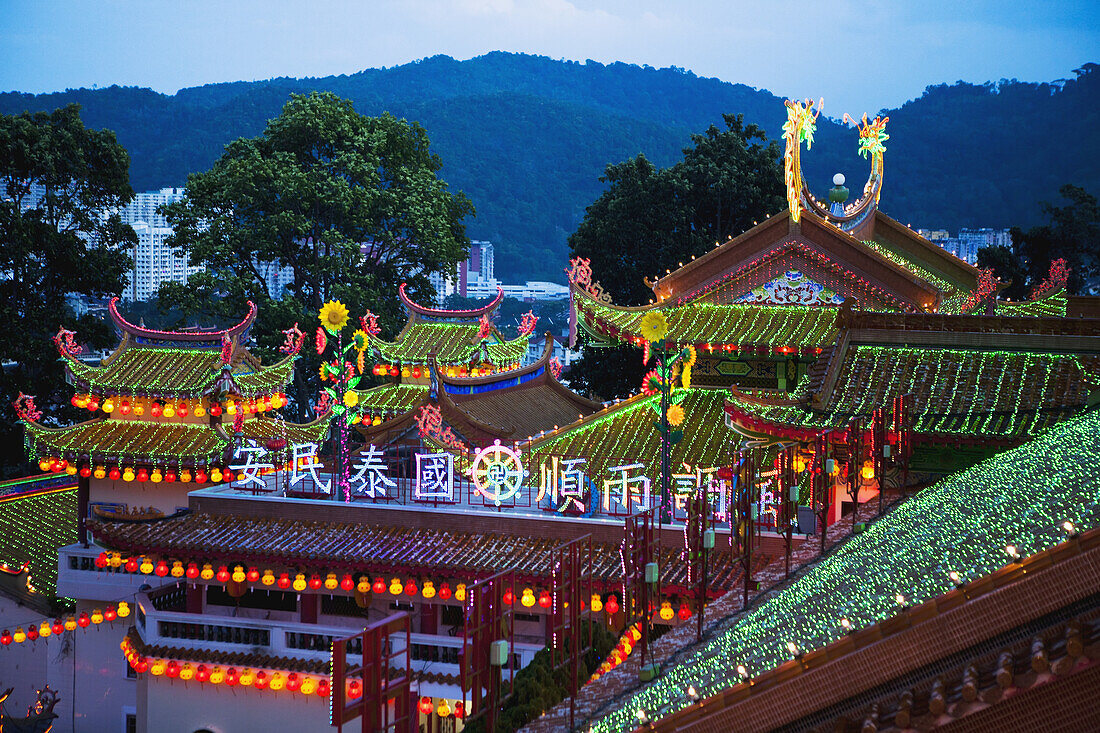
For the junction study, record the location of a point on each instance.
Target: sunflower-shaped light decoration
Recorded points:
(685, 376)
(334, 316)
(688, 356)
(360, 340)
(675, 415)
(351, 398)
(651, 383)
(654, 326)
(323, 371)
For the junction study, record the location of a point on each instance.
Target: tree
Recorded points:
(1006, 265)
(650, 220)
(59, 179)
(351, 204)
(1072, 232)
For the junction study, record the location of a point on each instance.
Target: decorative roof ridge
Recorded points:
(928, 245)
(543, 360)
(578, 290)
(440, 313)
(49, 430)
(128, 328)
(768, 401)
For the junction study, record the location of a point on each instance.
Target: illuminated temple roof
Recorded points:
(451, 336)
(35, 525)
(509, 405)
(1020, 497)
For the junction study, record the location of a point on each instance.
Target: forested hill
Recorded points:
(527, 137)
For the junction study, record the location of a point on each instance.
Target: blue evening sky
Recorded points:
(860, 56)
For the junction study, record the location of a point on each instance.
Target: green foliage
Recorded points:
(320, 181)
(539, 687)
(56, 247)
(526, 137)
(1071, 232)
(1008, 268)
(650, 220)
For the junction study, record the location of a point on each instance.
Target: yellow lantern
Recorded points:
(99, 472)
(246, 677)
(157, 667)
(428, 591)
(146, 566)
(217, 676)
(108, 405)
(156, 476)
(97, 616)
(363, 586)
(331, 583)
(115, 560)
(170, 411)
(666, 611)
(231, 409)
(123, 609)
(128, 474)
(395, 587)
(308, 686)
(70, 623)
(177, 569)
(444, 709)
(44, 464)
(185, 476)
(799, 463)
(216, 476)
(20, 636)
(268, 578)
(44, 630)
(299, 582)
(207, 571)
(868, 471)
(460, 592)
(528, 598)
(187, 672)
(238, 574)
(199, 410)
(70, 469)
(278, 682)
(597, 603)
(139, 408)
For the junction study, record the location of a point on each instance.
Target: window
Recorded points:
(130, 723)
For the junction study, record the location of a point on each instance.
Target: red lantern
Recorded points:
(83, 621)
(202, 674)
(124, 407)
(460, 710)
(32, 632)
(192, 570)
(445, 591)
(5, 638)
(156, 410)
(347, 584)
(173, 669)
(425, 705)
(101, 560)
(231, 676)
(115, 474)
(85, 471)
(57, 626)
(684, 613)
(161, 569)
(416, 372)
(252, 575)
(545, 600)
(612, 605)
(223, 574)
(215, 411)
(170, 476)
(142, 475)
(410, 588)
(142, 665)
(200, 476)
(315, 582)
(110, 614)
(261, 680)
(293, 682)
(355, 689)
(132, 565)
(322, 688)
(93, 404)
(283, 581)
(379, 586)
(509, 597)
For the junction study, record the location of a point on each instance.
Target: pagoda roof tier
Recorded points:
(508, 405)
(624, 433)
(901, 270)
(393, 398)
(742, 325)
(195, 338)
(113, 440)
(444, 314)
(992, 396)
(369, 549)
(34, 527)
(178, 364)
(450, 343)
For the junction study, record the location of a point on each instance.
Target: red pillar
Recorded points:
(310, 604)
(194, 598)
(429, 623)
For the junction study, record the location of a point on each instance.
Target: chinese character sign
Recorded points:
(251, 470)
(562, 483)
(370, 477)
(435, 477)
(305, 463)
(632, 489)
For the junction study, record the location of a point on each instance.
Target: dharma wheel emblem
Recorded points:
(497, 473)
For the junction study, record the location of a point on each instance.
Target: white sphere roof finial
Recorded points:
(838, 179)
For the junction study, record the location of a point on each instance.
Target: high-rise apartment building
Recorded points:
(144, 207)
(155, 262)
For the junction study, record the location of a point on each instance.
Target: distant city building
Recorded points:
(155, 262)
(476, 278)
(144, 207)
(966, 245)
(277, 278)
